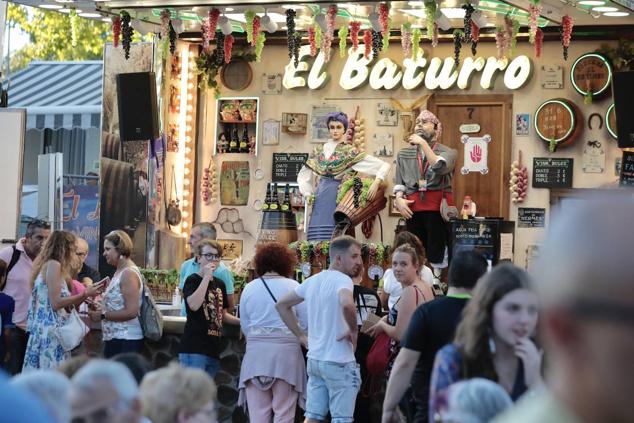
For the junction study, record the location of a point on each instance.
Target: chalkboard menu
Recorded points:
(552, 172)
(627, 169)
(531, 217)
(493, 238)
(286, 166)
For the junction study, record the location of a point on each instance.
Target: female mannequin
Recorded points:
(330, 162)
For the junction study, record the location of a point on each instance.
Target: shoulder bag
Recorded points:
(72, 332)
(150, 316)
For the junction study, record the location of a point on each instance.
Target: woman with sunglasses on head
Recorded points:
(119, 309)
(494, 339)
(206, 307)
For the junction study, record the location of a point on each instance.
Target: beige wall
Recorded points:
(525, 100)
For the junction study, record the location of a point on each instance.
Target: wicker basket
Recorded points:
(161, 283)
(356, 215)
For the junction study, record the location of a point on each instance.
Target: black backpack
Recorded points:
(14, 260)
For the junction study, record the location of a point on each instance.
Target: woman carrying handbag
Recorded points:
(49, 324)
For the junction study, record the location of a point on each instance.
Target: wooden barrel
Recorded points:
(278, 226)
(558, 120)
(346, 209)
(610, 121)
(591, 73)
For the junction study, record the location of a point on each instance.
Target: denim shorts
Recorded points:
(200, 361)
(332, 387)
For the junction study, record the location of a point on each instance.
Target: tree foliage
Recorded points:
(50, 36)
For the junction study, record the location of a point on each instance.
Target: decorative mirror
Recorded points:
(236, 75)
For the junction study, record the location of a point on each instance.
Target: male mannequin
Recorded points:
(424, 172)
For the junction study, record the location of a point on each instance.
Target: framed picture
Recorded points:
(386, 115)
(231, 248)
(271, 83)
(318, 127)
(522, 124)
(294, 123)
(391, 208)
(271, 132)
(383, 145)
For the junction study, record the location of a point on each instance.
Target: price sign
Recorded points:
(552, 173)
(531, 217)
(286, 166)
(627, 169)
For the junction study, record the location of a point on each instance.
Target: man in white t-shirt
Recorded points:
(333, 374)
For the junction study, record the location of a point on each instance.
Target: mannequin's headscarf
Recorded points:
(339, 117)
(427, 116)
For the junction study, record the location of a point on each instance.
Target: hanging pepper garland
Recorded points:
(430, 12)
(406, 39)
(566, 33)
(539, 39)
(416, 36)
(501, 42)
(468, 11)
(256, 30)
(74, 28)
(228, 47)
(457, 45)
(343, 35)
(355, 26)
(326, 40)
(534, 10)
(475, 36)
(126, 33)
(311, 41)
(367, 43)
(259, 46)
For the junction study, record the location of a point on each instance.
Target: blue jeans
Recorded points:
(118, 346)
(332, 387)
(200, 361)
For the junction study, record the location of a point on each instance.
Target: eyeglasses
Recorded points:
(38, 223)
(211, 256)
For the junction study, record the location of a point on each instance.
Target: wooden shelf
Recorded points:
(237, 121)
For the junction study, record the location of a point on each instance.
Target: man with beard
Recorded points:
(16, 266)
(424, 171)
(333, 373)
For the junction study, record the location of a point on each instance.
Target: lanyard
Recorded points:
(460, 296)
(424, 169)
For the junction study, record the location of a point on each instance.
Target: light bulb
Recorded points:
(185, 224)
(186, 171)
(186, 181)
(188, 128)
(185, 203)
(185, 214)
(190, 108)
(190, 96)
(190, 86)
(188, 150)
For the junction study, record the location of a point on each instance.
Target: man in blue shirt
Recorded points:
(204, 230)
(7, 305)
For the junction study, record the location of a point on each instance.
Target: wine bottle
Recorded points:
(244, 142)
(286, 204)
(275, 201)
(235, 140)
(267, 200)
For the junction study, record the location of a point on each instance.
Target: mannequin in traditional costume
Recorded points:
(330, 163)
(424, 172)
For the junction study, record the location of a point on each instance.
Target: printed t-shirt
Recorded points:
(325, 316)
(204, 326)
(191, 266)
(432, 326)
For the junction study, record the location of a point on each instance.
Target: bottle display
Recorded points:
(244, 142)
(275, 201)
(286, 204)
(235, 140)
(267, 200)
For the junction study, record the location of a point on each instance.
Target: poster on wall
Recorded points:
(318, 127)
(476, 152)
(383, 145)
(593, 157)
(386, 115)
(81, 216)
(522, 124)
(231, 248)
(234, 183)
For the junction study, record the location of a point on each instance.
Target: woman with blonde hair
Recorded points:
(50, 296)
(119, 313)
(177, 394)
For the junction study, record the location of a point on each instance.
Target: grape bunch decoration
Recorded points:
(468, 11)
(292, 37)
(357, 186)
(377, 43)
(219, 52)
(457, 45)
(172, 35)
(126, 33)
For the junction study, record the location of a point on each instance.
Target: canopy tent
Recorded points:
(59, 95)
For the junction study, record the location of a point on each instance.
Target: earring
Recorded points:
(491, 345)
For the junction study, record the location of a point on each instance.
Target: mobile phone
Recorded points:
(105, 281)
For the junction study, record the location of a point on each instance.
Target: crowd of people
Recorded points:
(501, 345)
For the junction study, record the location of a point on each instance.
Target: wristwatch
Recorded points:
(103, 316)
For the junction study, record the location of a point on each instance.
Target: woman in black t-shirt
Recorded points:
(206, 306)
